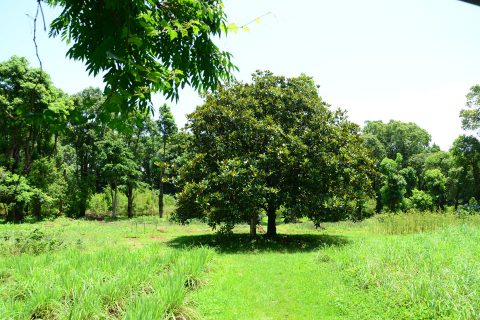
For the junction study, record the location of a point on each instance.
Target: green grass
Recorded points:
(91, 270)
(409, 266)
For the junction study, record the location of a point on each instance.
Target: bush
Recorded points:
(98, 206)
(34, 241)
(472, 207)
(421, 200)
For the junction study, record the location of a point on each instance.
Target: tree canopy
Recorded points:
(145, 46)
(406, 138)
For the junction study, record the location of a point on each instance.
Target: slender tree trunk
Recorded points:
(114, 202)
(253, 226)
(476, 179)
(129, 200)
(455, 201)
(37, 209)
(82, 207)
(160, 196)
(160, 182)
(61, 202)
(271, 225)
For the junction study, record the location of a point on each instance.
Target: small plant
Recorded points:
(33, 241)
(471, 208)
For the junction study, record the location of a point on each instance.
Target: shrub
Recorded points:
(472, 207)
(421, 200)
(34, 241)
(98, 206)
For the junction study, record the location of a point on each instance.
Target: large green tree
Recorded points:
(268, 145)
(32, 114)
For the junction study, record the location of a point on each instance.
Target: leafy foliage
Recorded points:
(394, 185)
(421, 200)
(407, 139)
(145, 46)
(471, 115)
(435, 182)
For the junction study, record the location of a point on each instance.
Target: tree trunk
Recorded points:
(82, 207)
(253, 226)
(37, 209)
(16, 214)
(476, 179)
(114, 203)
(129, 200)
(271, 225)
(160, 183)
(160, 196)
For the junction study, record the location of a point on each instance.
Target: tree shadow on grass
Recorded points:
(241, 243)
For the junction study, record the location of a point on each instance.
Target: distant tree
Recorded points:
(471, 115)
(377, 153)
(459, 185)
(410, 176)
(466, 154)
(435, 182)
(117, 165)
(439, 160)
(83, 132)
(268, 145)
(46, 176)
(143, 47)
(394, 185)
(16, 194)
(166, 129)
(407, 139)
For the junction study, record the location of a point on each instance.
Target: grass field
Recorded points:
(389, 267)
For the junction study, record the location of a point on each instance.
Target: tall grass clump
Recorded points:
(417, 276)
(415, 221)
(107, 283)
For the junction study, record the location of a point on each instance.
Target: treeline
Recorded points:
(57, 152)
(272, 147)
(413, 174)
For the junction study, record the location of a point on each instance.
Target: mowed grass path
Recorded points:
(268, 286)
(269, 279)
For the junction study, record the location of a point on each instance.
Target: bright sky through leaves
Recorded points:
(379, 59)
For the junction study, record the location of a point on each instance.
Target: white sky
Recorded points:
(410, 60)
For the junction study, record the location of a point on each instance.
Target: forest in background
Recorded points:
(62, 155)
